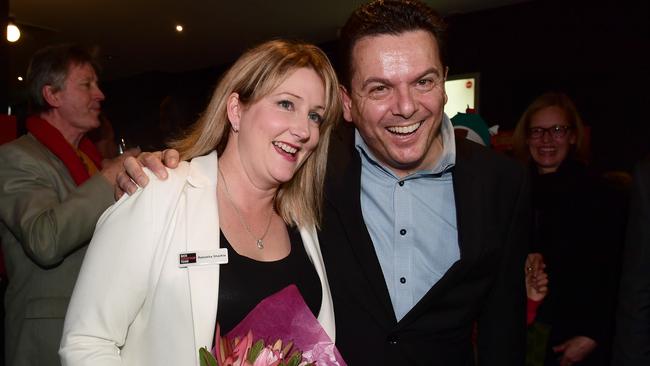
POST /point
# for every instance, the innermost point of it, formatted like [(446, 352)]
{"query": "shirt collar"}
[(445, 163)]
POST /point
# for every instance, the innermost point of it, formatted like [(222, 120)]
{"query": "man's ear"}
[(444, 91), (234, 109), (51, 96), (347, 103)]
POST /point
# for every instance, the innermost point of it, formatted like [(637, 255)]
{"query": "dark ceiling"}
[(139, 35)]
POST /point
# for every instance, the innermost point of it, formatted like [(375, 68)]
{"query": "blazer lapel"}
[(203, 234), (343, 193)]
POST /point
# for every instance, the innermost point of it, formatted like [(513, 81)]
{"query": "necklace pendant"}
[(260, 244)]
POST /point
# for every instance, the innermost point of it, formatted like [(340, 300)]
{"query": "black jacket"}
[(485, 286)]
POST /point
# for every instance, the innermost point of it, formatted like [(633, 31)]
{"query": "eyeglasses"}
[(557, 132)]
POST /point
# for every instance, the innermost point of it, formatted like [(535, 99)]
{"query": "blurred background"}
[(161, 58)]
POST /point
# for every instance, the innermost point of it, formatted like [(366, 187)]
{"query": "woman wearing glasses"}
[(567, 231)]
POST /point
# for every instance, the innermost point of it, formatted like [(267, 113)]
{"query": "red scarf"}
[(49, 136)]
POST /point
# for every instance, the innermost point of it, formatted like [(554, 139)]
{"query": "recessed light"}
[(13, 33), (179, 28)]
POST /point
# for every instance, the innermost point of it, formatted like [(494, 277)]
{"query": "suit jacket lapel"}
[(203, 234), (343, 192)]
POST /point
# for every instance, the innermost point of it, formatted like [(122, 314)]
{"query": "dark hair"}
[(392, 17), (50, 66)]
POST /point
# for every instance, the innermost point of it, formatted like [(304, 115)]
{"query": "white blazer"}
[(132, 303)]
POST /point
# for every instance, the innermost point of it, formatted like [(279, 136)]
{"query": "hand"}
[(112, 167), (536, 277), (575, 350), (133, 176)]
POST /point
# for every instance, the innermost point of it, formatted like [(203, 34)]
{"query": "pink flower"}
[(268, 357)]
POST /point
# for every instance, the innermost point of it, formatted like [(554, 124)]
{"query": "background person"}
[(570, 231), (53, 188), (253, 186), (632, 339)]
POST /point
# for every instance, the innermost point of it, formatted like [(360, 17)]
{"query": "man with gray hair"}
[(53, 188)]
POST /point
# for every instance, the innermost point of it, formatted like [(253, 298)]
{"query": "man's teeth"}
[(404, 130), (286, 148)]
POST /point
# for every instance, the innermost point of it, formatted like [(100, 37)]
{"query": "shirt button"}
[(401, 183), (403, 232), (402, 280)]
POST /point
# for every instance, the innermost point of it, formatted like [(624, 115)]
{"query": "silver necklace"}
[(259, 242)]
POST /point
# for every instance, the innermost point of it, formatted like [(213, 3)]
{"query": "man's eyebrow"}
[(374, 80), (432, 70)]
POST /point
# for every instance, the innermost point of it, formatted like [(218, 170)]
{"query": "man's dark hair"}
[(50, 66), (392, 17)]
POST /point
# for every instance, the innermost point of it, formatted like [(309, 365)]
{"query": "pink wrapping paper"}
[(285, 316)]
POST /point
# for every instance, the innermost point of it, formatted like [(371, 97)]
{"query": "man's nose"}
[(98, 94), (405, 104)]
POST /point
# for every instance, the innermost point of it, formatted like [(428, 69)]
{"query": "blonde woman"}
[(252, 189), (573, 230)]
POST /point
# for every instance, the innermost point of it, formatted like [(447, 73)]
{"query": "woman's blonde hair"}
[(253, 76), (550, 99)]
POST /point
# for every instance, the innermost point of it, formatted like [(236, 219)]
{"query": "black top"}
[(244, 282), (576, 231)]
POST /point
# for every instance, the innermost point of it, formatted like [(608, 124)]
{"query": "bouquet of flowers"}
[(243, 352), (287, 334)]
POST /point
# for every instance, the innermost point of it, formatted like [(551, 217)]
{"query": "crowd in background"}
[(587, 245)]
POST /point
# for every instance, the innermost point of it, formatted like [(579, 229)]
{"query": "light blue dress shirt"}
[(411, 221)]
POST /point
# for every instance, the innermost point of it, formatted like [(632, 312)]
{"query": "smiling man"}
[(53, 188), (424, 236)]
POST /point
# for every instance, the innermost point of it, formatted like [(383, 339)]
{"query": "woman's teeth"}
[(286, 148)]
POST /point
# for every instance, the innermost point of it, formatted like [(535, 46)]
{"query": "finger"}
[(117, 193), (170, 158), (125, 184), (543, 279), (135, 173), (560, 347), (134, 151), (153, 161)]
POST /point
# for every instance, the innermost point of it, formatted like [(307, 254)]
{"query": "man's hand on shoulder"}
[(112, 167), (131, 174)]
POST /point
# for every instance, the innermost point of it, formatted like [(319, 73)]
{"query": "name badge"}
[(204, 258)]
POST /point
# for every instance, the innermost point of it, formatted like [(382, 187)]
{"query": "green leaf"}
[(207, 359), (255, 351), (295, 359)]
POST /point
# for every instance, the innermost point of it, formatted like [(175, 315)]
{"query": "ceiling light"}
[(179, 28), (20, 78), (13, 33)]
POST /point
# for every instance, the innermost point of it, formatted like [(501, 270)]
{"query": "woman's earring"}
[(234, 129)]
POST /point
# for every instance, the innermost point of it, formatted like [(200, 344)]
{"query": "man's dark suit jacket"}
[(632, 339), (486, 286)]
